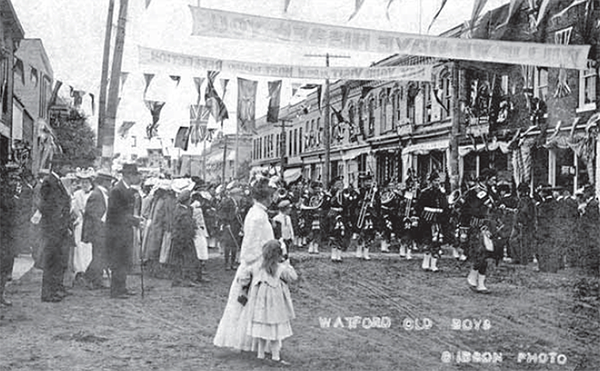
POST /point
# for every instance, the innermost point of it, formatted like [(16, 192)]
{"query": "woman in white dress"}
[(232, 330), (82, 253)]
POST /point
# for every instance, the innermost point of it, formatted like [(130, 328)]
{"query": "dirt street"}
[(383, 314)]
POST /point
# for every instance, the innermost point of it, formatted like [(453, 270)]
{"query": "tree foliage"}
[(76, 138)]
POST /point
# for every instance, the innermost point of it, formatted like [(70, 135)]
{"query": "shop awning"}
[(292, 175), (215, 158), (502, 146), (426, 147)]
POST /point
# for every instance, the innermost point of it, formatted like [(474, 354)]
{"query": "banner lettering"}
[(149, 56), (223, 24)]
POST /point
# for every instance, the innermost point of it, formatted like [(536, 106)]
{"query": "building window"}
[(361, 117), (295, 142), (410, 104), (395, 109), (426, 102), (541, 83), (383, 102), (587, 89), (446, 98), (371, 109), (563, 37)]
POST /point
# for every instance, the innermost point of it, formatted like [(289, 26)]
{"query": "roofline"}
[(45, 58), (15, 18)]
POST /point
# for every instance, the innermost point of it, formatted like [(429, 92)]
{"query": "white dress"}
[(233, 327), (201, 238), (270, 309), (82, 252)]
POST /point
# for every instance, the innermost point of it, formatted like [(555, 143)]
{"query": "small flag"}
[(274, 95), (246, 105), (124, 129), (182, 137), (148, 78), (357, 5), (198, 84), (213, 101), (177, 79), (93, 102), (155, 108), (286, 5), (148, 3), (442, 5)]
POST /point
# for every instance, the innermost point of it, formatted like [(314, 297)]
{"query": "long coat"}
[(93, 230), (119, 223)]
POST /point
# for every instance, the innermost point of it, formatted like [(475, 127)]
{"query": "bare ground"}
[(172, 328)]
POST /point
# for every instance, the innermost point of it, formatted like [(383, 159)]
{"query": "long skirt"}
[(233, 327)]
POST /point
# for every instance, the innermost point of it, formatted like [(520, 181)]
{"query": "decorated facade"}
[(535, 125)]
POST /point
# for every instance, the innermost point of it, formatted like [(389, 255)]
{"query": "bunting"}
[(246, 105), (78, 97), (345, 91), (148, 3), (124, 76), (477, 8), (213, 101), (286, 5), (512, 9), (20, 69), (224, 83), (357, 5), (124, 128), (54, 95), (198, 84), (147, 78), (93, 103), (177, 79), (274, 96), (442, 5), (155, 108), (182, 138)]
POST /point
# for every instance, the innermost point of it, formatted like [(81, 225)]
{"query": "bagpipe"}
[(411, 220)]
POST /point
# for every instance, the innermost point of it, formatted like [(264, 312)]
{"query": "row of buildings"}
[(26, 80), (534, 125)]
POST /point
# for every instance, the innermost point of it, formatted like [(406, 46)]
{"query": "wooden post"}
[(108, 140), (455, 131), (104, 76)]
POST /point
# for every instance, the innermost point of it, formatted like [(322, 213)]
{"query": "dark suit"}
[(94, 232), (55, 207), (119, 234)]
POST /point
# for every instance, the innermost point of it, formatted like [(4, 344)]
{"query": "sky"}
[(73, 35)]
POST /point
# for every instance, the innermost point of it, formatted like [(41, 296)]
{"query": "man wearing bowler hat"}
[(120, 220)]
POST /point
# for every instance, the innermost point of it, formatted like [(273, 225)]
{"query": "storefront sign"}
[(219, 23), (149, 56)]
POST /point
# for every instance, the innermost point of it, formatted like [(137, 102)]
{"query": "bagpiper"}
[(475, 211), (335, 222), (365, 222), (433, 207), (315, 204), (387, 206), (410, 218)]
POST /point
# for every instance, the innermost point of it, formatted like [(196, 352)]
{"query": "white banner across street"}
[(224, 24), (156, 57)]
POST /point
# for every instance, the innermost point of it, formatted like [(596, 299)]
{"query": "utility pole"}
[(326, 121), (455, 130), (104, 77), (108, 137)]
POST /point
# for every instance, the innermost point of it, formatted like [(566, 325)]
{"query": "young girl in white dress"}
[(269, 307)]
